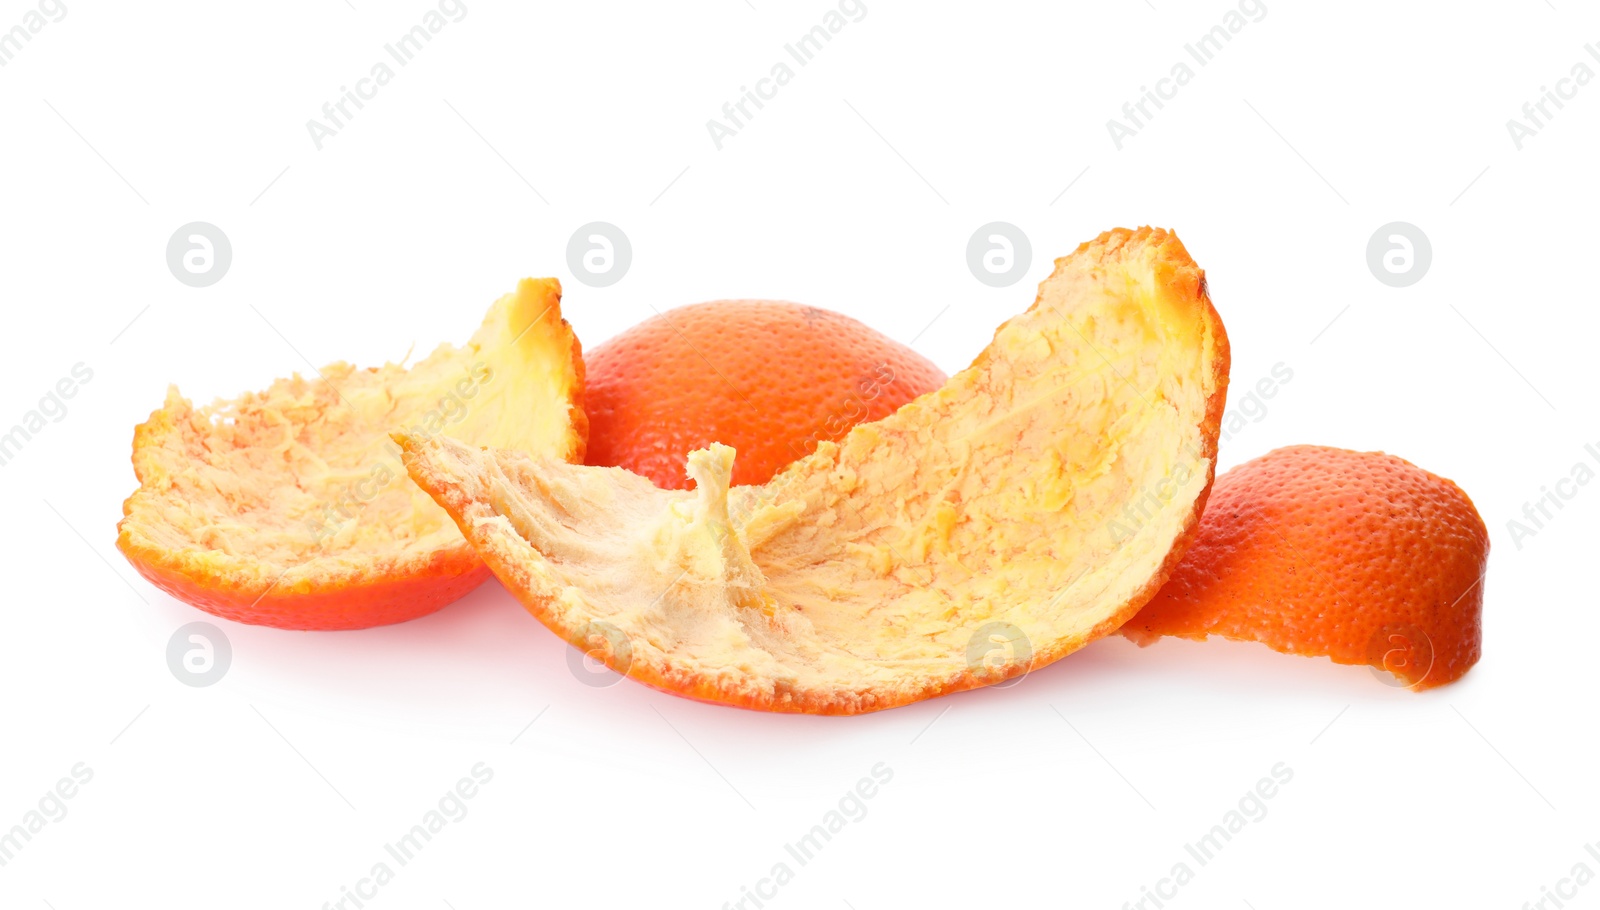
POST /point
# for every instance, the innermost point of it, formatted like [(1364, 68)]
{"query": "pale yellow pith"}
[(1042, 488), (301, 480)]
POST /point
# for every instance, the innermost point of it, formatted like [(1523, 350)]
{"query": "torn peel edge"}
[(1144, 638)]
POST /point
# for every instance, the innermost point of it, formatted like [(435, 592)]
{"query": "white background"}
[(855, 189)]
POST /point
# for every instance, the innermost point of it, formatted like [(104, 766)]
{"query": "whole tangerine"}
[(769, 378)]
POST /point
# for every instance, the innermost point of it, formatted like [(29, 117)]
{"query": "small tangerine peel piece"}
[(883, 569), (1360, 557), (290, 507)]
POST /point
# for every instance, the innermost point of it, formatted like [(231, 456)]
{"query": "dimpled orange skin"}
[(1358, 556), (768, 378)]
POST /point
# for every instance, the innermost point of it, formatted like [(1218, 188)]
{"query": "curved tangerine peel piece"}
[(1039, 498), (1360, 557), (290, 507)]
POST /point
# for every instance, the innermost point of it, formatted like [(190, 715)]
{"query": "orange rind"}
[(290, 507), (1030, 505), (1360, 557)]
